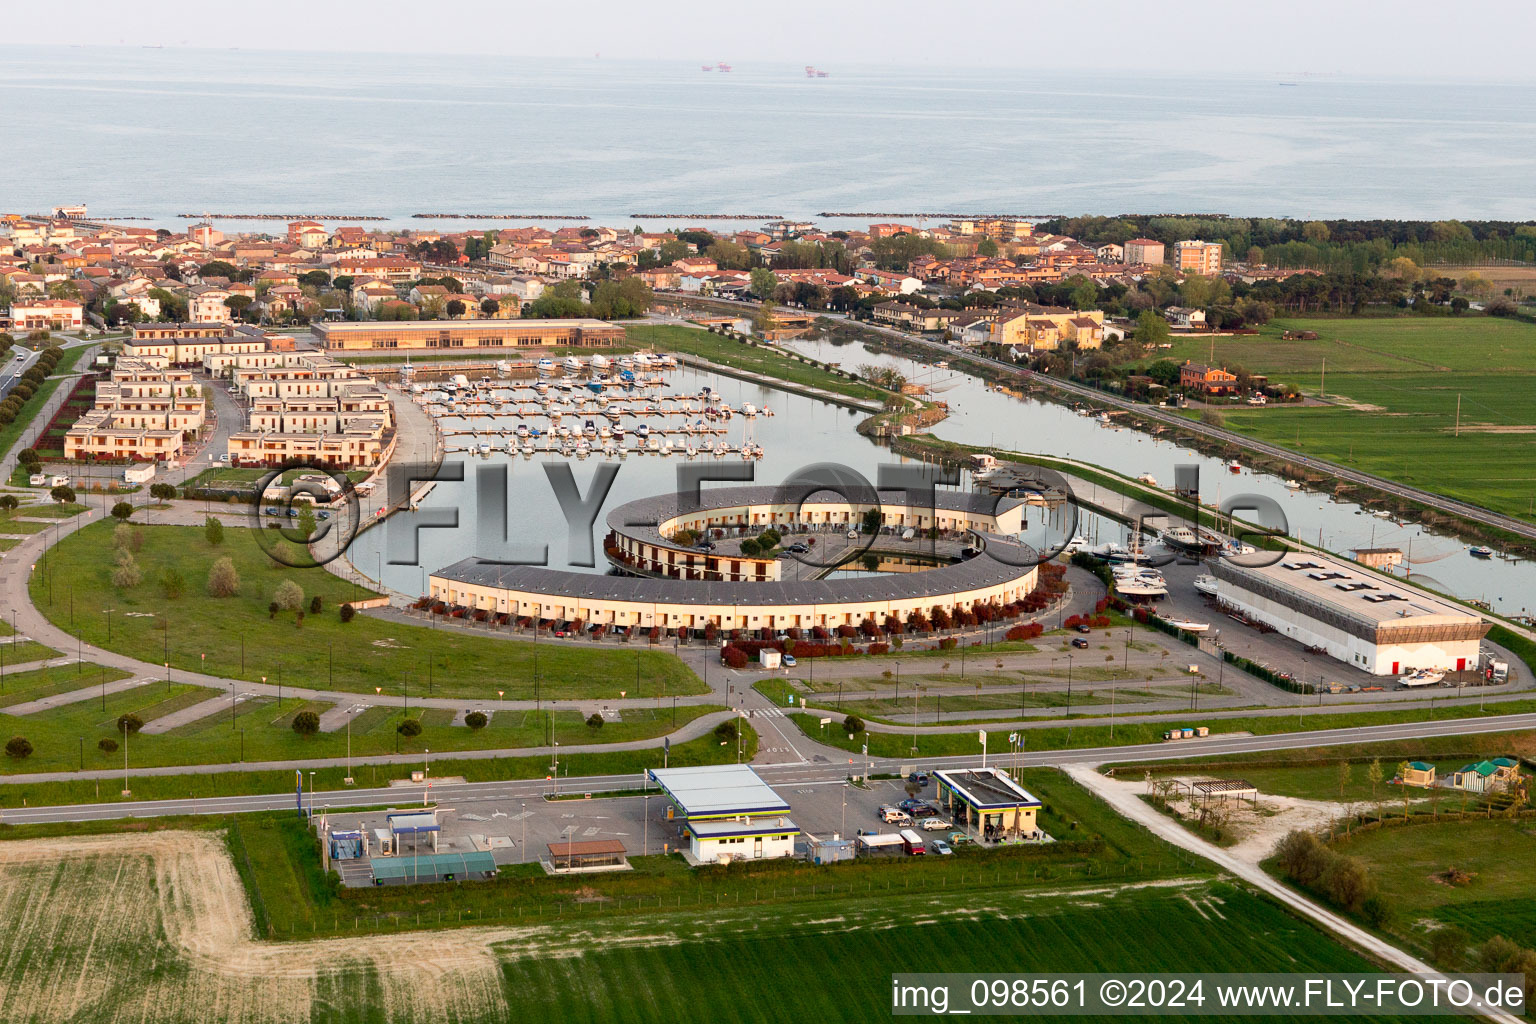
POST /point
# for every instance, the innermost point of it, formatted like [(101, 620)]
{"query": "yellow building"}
[(1196, 257), (467, 334)]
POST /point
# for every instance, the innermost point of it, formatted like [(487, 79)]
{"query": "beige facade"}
[(467, 334), (140, 413), (1197, 257)]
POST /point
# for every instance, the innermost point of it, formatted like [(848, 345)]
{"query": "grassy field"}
[(1395, 384), (262, 731), (154, 920), (241, 640), (18, 687), (705, 750), (964, 741), (1498, 854), (25, 651), (770, 362), (1312, 773)]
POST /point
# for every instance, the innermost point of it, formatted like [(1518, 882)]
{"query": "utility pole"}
[(1458, 415)]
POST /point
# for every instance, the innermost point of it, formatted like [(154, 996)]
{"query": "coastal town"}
[(1056, 645)]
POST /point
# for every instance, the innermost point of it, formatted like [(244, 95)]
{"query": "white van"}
[(895, 816)]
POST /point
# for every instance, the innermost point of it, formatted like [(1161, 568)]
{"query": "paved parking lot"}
[(520, 830)]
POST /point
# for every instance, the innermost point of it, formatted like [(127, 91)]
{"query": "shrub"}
[(18, 747), (726, 731), (733, 656), (1377, 911), (1302, 857), (223, 579), (594, 721), (121, 511), (129, 722), (476, 720), (172, 583), (408, 727), (347, 612), (314, 605), (107, 745), (213, 531), (853, 725), (1347, 883), (288, 596), (272, 609), (127, 575), (306, 723)]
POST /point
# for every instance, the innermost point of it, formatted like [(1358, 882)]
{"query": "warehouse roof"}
[(728, 829), (718, 791), (432, 866), (1328, 585)]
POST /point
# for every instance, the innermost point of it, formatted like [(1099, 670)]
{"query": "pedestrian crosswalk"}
[(767, 713)]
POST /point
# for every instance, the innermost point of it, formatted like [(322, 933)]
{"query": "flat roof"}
[(730, 829), (354, 327), (432, 865), (413, 821), (586, 848), (719, 791), (985, 788), (1327, 584)]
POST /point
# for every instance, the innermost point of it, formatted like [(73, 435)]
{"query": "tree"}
[(594, 721), (223, 579), (315, 604), (213, 531), (238, 304), (763, 282), (63, 494), (1373, 775), (128, 723), (107, 745), (1448, 946), (455, 309), (306, 522), (1151, 329), (1315, 231), (306, 723), (347, 612), (490, 307), (726, 731), (288, 596), (173, 584), (8, 503), (872, 518), (1345, 771), (986, 248), (1346, 882), (218, 268), (127, 574), (476, 720), (853, 725), (408, 728), (18, 747), (162, 492), (121, 511)]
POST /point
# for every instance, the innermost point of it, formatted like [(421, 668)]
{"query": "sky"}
[(1416, 39)]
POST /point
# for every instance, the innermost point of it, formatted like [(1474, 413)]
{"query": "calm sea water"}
[(157, 132)]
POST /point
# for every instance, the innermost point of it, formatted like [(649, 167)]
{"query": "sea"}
[(160, 133)]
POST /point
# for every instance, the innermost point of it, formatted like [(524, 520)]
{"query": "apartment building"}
[(1196, 257), (1144, 250)]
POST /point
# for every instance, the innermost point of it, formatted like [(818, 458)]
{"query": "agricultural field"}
[(239, 638), (1393, 386), (1495, 861), (155, 927)]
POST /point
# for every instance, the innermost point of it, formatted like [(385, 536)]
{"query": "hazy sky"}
[(1409, 38)]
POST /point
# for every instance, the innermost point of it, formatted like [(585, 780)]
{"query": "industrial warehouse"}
[(467, 334), (1356, 617), (728, 813)]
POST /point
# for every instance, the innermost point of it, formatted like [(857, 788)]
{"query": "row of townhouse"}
[(142, 412), (310, 407)]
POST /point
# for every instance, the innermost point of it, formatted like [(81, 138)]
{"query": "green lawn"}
[(705, 750), (772, 362), (1500, 855), (26, 651), (1396, 384), (264, 731), (18, 687), (72, 586), (964, 740)]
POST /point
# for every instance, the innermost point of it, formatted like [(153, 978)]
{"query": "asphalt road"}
[(820, 765)]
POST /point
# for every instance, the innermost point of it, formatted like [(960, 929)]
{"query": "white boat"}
[(643, 431), (573, 364), (1148, 479), (1116, 553), (1293, 485), (589, 428), (1480, 551), (546, 366), (1075, 544), (1182, 538), (1188, 625), (1141, 583), (1382, 513), (1423, 677), (485, 448), (1235, 466), (1206, 585), (600, 362), (749, 410)]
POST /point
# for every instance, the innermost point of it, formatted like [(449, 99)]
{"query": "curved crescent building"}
[(682, 587)]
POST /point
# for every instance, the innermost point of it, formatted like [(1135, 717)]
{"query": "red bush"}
[(879, 648), (733, 656)]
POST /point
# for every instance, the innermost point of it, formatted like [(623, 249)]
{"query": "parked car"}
[(1079, 642), (959, 839), (940, 847), (798, 548), (936, 824), (921, 778), (1083, 628), (323, 514), (789, 661), (895, 816), (274, 511), (561, 634)]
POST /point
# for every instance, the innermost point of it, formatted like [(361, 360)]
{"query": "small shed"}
[(829, 851), (1418, 773), (414, 824), (588, 855), (1475, 778), (1225, 789)]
